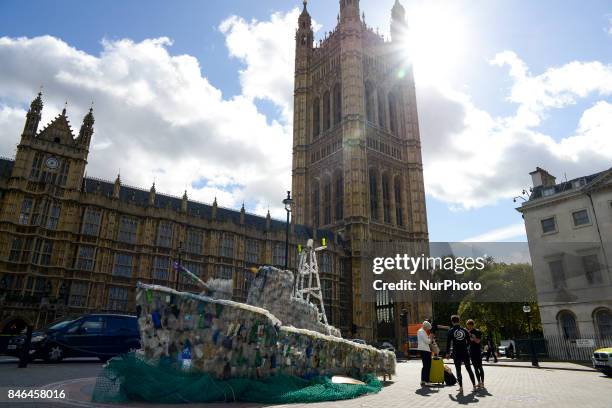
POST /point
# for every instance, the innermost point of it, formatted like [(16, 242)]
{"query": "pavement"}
[(509, 384)]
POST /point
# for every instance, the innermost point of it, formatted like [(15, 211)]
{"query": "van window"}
[(89, 325), (118, 324)]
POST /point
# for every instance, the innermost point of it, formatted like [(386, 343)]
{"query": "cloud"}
[(500, 234), (158, 118)]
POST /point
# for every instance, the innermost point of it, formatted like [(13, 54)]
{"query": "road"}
[(509, 384)]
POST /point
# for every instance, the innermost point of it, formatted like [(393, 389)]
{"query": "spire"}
[(214, 209), (304, 35), (184, 202), (242, 211), (268, 220), (87, 128), (33, 116), (398, 22), (117, 186), (152, 193), (65, 107)]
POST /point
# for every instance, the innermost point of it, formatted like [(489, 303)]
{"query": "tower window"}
[(316, 117), (393, 113), (316, 203), (26, 210), (373, 195), (36, 166), (326, 111), (337, 104), (327, 202), (339, 196), (386, 198), (369, 102), (399, 216), (381, 109)]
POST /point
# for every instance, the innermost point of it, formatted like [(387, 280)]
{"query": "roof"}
[(577, 183)]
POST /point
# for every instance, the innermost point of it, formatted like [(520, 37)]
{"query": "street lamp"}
[(178, 265), (288, 203), (534, 356)]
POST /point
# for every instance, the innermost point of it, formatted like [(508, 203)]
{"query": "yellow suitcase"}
[(436, 374)]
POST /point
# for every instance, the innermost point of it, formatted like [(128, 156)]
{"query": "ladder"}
[(308, 284)]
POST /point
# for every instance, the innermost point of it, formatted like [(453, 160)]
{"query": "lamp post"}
[(288, 203), (534, 356), (178, 265)]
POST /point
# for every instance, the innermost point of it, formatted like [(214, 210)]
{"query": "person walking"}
[(491, 351), (475, 351), (424, 338), (457, 346)]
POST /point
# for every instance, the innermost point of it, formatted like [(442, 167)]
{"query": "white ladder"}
[(308, 284)]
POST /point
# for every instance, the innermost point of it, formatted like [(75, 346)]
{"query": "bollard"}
[(25, 352)]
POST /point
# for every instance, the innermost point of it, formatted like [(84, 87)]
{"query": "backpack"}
[(449, 377)]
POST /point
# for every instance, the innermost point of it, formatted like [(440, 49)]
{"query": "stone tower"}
[(357, 166)]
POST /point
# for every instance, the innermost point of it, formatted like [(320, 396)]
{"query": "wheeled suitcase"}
[(436, 375)]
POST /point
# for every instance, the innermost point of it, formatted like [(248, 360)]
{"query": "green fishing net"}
[(131, 378)]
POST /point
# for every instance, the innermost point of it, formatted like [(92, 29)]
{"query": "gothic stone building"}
[(357, 167), (70, 244)]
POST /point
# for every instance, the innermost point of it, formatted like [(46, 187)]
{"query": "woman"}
[(424, 337)]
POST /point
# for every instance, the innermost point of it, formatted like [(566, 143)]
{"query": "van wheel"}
[(54, 354)]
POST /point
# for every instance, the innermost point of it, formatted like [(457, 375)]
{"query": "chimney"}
[(541, 177)]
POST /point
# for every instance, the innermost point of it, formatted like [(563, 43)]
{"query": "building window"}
[(42, 252), (326, 111), (581, 218), (325, 264), (603, 323), (393, 125), (127, 229), (26, 211), (252, 251), (123, 265), (226, 249), (326, 290), (161, 266), (63, 174), (36, 166), (337, 104), (86, 258), (78, 294), (164, 234), (192, 267), (592, 269), (53, 218), (397, 188), (278, 255), (548, 225), (381, 109), (373, 195), (386, 198), (91, 222), (316, 204), (567, 322), (194, 241), (339, 197), (247, 281), (117, 299), (327, 204), (557, 274), (16, 249), (369, 102), (316, 117), (225, 272)]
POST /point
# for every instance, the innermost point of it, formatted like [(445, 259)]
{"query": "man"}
[(491, 351), (424, 347), (457, 345), (475, 351)]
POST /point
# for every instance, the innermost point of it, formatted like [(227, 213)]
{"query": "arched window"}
[(567, 323), (339, 196), (326, 111), (316, 117), (393, 125), (327, 201), (373, 195), (399, 215), (381, 108), (386, 193), (369, 102), (603, 322), (337, 104), (316, 203)]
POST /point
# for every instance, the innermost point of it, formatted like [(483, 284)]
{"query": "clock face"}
[(52, 163)]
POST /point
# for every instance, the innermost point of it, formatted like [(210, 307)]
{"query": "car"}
[(602, 360), (91, 335), (506, 348), (387, 346), (359, 341)]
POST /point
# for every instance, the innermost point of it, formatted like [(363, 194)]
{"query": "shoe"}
[(460, 389), (423, 383), (474, 388)]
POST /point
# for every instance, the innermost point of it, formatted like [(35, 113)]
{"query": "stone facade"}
[(357, 166), (71, 244)]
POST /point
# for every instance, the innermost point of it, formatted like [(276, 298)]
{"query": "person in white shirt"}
[(424, 337)]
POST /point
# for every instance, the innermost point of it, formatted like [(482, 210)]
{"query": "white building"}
[(569, 229)]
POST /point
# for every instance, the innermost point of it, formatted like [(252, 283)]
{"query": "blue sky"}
[(463, 37)]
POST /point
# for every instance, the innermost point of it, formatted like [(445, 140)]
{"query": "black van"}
[(92, 335)]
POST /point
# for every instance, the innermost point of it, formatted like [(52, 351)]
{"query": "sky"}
[(198, 95)]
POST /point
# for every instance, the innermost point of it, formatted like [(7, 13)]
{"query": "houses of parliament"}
[(72, 244)]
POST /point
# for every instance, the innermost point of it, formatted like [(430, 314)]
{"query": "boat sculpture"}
[(281, 329)]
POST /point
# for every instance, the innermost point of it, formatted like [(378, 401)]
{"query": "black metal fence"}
[(562, 348)]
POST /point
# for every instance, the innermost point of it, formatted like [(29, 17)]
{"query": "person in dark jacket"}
[(491, 351), (475, 351), (457, 346)]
